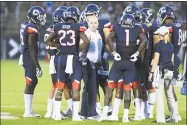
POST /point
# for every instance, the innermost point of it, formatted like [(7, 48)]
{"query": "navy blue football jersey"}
[(68, 35), (176, 36), (51, 50), (26, 29), (127, 39)]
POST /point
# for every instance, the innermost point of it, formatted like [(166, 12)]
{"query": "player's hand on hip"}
[(116, 55), (38, 72), (134, 56)]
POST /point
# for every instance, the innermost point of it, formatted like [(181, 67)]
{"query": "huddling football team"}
[(78, 44)]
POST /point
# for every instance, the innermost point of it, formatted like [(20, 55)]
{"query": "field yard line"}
[(10, 106), (6, 115), (21, 94)]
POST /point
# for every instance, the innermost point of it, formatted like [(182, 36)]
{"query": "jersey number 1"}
[(127, 37)]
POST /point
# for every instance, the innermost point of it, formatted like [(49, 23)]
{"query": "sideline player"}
[(29, 36)]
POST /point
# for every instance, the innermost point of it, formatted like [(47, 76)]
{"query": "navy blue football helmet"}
[(147, 15), (72, 13), (91, 9), (165, 12), (127, 20), (37, 15), (61, 8), (59, 16), (135, 11)]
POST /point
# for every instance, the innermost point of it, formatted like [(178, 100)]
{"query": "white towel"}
[(156, 77), (21, 60), (69, 64), (52, 69)]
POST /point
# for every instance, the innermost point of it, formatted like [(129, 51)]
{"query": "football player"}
[(135, 11), (68, 35), (51, 51), (29, 36), (138, 94), (127, 51), (147, 18), (103, 28), (166, 17)]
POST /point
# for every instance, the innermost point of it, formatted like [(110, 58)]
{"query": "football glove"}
[(134, 57), (38, 72), (116, 55)]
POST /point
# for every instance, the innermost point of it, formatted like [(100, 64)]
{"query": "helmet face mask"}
[(42, 19)]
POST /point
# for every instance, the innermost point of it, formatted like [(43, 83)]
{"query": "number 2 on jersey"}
[(64, 33)]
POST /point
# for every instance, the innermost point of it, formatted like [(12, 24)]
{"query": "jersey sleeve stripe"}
[(170, 29), (32, 30), (82, 29)]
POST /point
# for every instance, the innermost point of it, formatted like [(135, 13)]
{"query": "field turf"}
[(12, 88)]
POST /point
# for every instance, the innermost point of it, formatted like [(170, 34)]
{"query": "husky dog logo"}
[(35, 12)]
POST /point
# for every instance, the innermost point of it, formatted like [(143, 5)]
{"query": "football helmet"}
[(61, 8), (147, 15), (127, 20), (135, 11), (165, 12), (59, 16), (37, 15), (72, 13)]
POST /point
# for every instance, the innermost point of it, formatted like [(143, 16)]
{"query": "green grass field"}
[(12, 88)]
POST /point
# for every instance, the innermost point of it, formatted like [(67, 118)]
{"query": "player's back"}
[(126, 39), (68, 35), (27, 28)]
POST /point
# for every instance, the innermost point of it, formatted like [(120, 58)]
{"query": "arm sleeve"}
[(157, 48), (32, 42)]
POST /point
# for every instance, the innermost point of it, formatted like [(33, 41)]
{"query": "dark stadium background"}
[(13, 13)]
